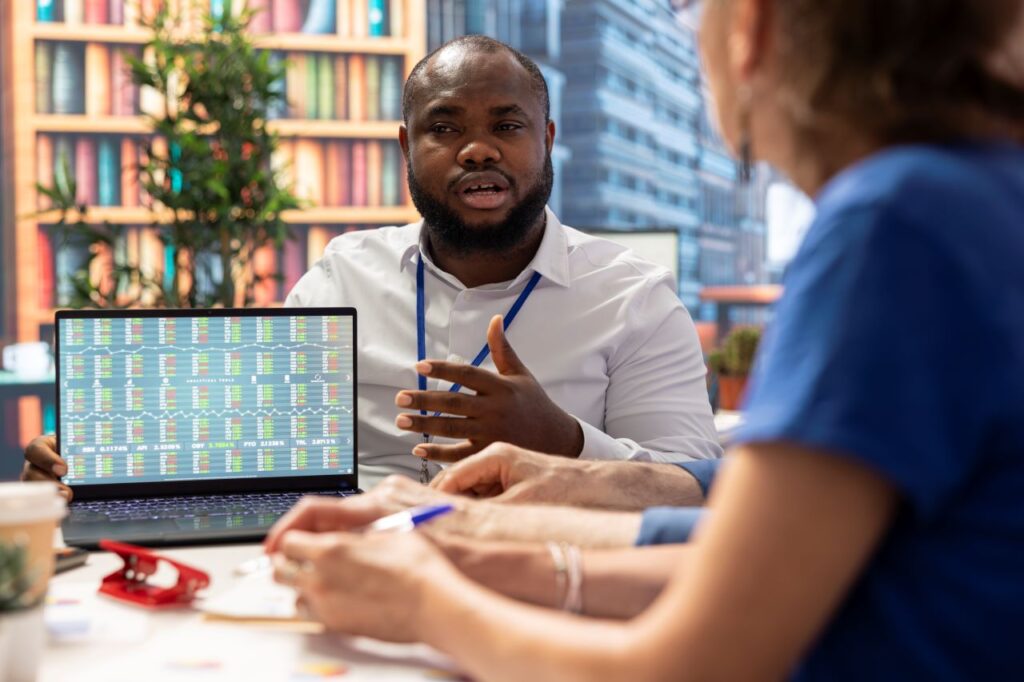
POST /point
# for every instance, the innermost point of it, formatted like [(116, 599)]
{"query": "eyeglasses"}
[(129, 582)]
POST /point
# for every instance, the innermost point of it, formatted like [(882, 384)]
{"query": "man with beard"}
[(607, 364)]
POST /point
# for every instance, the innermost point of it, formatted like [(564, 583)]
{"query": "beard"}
[(448, 227)]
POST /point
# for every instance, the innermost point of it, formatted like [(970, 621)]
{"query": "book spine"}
[(95, 12), (360, 22), (108, 171), (129, 173), (85, 170), (294, 265), (44, 76), (372, 88), (130, 10), (264, 265), (356, 87), (359, 189), (340, 87), (312, 101), (335, 173), (262, 18), (390, 174), (115, 12), (344, 13), (320, 18), (44, 168), (374, 170), (287, 16), (121, 86), (64, 162), (325, 86), (295, 84), (375, 18), (97, 80), (46, 11), (74, 12), (316, 242), (391, 89), (68, 76), (396, 18), (309, 164), (46, 265)]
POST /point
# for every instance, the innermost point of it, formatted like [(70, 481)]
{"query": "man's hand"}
[(512, 474), (510, 407), (322, 514), (42, 463)]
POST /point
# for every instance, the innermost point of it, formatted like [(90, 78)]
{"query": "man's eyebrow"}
[(507, 109), (443, 110)]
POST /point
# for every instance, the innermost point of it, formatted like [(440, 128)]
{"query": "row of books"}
[(334, 173), (349, 18), (58, 260), (94, 79), (344, 87), (90, 78)]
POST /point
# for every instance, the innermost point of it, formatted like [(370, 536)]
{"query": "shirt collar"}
[(551, 259)]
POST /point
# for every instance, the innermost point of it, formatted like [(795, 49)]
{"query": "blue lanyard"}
[(421, 333)]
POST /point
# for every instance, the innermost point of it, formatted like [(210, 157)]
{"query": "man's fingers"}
[(445, 402), (33, 473), (485, 470), (446, 453), (505, 359), (42, 453), (482, 381), (445, 427)]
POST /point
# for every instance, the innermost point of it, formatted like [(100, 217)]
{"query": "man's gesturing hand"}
[(510, 407)]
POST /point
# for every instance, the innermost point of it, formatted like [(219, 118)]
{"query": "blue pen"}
[(400, 522), (406, 520)]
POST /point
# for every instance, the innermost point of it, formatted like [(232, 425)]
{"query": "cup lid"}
[(29, 502)]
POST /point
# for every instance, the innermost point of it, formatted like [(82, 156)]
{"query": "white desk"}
[(276, 654)]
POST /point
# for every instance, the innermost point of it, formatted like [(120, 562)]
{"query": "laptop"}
[(197, 426)]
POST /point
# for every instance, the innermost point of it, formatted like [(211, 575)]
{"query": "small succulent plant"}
[(739, 350)]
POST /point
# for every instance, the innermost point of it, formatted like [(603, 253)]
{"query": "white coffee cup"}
[(28, 360), (29, 513)]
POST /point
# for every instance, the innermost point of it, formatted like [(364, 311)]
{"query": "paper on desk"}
[(254, 597), (225, 652), (76, 614)]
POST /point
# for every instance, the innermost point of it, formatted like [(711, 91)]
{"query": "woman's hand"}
[(371, 585)]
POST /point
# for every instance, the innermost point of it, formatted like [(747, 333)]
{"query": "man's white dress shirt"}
[(603, 333)]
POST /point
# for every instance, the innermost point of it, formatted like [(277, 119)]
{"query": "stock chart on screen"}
[(184, 398)]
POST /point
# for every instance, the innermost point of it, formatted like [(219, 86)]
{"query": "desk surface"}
[(140, 644)]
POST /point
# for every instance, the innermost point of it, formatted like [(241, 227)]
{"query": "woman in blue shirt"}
[(869, 525)]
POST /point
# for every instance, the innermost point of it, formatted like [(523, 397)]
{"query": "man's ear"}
[(550, 136), (403, 141)]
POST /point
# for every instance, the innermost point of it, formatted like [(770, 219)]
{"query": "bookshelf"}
[(347, 61)]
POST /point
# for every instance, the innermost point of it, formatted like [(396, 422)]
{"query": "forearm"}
[(494, 638), (616, 583), (634, 486), (539, 523)]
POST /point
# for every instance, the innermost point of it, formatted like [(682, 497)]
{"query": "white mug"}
[(28, 360)]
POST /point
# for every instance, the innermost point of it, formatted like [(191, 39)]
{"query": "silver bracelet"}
[(561, 570), (574, 593)]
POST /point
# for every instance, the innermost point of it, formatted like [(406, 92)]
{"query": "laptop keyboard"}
[(185, 507)]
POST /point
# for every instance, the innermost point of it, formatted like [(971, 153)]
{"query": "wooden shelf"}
[(289, 42), (331, 215), (139, 125)]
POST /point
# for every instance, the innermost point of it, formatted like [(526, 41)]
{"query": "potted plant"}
[(733, 363), (206, 172), (21, 615)]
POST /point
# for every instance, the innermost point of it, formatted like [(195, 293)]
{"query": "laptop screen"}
[(206, 395)]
